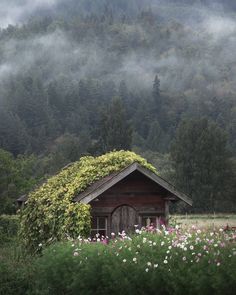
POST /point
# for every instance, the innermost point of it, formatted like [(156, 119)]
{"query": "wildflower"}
[(40, 245), (218, 264), (149, 264), (162, 243), (98, 240), (113, 234), (134, 259), (198, 231), (146, 269), (184, 258), (155, 265), (138, 246), (165, 261), (154, 244), (76, 253), (191, 247), (137, 231), (124, 260)]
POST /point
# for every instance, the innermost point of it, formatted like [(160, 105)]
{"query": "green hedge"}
[(9, 226), (146, 265)]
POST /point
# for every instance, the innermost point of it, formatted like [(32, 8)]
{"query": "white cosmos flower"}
[(165, 261), (124, 260), (146, 269), (149, 264), (155, 265)]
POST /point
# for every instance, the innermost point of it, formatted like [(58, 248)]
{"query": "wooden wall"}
[(135, 190)]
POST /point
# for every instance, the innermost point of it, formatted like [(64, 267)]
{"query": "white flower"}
[(138, 246), (40, 245), (137, 231), (165, 261), (76, 253), (191, 247), (146, 269), (124, 260), (113, 234), (155, 265), (162, 243), (149, 264), (184, 258), (198, 231), (154, 244), (98, 240), (134, 259), (218, 264)]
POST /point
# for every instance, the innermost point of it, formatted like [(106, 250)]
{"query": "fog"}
[(197, 55)]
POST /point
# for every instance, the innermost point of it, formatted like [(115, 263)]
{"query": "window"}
[(156, 221), (99, 226)]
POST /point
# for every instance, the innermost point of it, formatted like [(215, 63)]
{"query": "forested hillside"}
[(86, 77)]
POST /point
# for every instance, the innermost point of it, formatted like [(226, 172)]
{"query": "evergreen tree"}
[(201, 162), (114, 131)]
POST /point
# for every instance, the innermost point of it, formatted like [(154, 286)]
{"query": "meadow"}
[(205, 220)]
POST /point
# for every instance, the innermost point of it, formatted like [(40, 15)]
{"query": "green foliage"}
[(143, 265), (9, 225), (17, 176), (201, 161), (114, 131), (16, 269), (50, 214)]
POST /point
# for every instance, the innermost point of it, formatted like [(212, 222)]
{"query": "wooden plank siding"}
[(135, 191)]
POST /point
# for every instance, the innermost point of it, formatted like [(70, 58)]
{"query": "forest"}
[(86, 77)]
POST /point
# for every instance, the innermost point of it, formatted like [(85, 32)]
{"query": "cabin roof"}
[(100, 186)]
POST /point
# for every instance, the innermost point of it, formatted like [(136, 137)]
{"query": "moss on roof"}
[(50, 212)]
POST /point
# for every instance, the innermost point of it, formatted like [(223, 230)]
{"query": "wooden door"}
[(124, 218)]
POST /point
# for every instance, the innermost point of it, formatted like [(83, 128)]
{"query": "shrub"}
[(192, 262), (50, 213), (9, 225), (15, 270)]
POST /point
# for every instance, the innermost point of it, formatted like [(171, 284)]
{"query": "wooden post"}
[(167, 211)]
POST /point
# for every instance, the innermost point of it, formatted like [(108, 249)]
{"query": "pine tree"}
[(201, 162), (115, 131)]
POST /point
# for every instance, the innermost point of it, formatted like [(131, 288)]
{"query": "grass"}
[(205, 220)]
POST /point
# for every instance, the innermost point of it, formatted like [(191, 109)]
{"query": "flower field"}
[(173, 261)]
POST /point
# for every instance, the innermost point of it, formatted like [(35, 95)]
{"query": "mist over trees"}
[(85, 77)]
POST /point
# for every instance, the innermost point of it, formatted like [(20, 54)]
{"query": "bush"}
[(9, 225), (15, 270), (50, 213), (173, 263)]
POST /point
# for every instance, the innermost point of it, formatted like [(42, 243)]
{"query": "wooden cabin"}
[(132, 196)]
